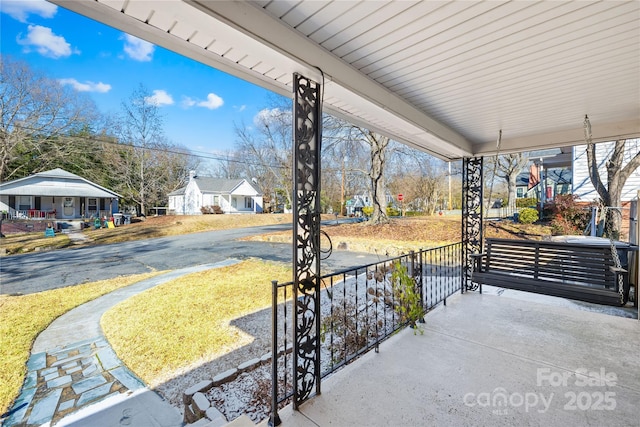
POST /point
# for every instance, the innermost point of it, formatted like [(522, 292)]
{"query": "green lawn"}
[(23, 317), (179, 323)]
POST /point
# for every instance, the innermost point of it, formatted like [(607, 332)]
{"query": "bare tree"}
[(140, 127), (378, 144), (35, 112), (508, 167), (267, 149), (229, 165), (617, 175), (425, 186), (339, 132)]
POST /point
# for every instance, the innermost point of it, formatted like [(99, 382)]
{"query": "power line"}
[(198, 154)]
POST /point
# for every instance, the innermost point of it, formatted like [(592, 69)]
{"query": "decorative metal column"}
[(307, 128), (471, 215)]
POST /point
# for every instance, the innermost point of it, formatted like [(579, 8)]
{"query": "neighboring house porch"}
[(55, 195), (553, 183), (230, 195)]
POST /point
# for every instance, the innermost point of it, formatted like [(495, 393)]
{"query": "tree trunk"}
[(379, 145), (511, 202), (617, 175)]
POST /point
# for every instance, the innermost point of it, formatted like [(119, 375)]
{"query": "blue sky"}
[(199, 104)]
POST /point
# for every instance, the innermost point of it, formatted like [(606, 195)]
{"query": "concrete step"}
[(241, 421)]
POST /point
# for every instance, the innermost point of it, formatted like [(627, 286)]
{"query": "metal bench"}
[(569, 270)]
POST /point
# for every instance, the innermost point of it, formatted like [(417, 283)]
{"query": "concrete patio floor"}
[(489, 360)]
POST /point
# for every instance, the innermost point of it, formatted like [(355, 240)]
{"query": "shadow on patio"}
[(491, 359)]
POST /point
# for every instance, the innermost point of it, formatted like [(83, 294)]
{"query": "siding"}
[(582, 186)]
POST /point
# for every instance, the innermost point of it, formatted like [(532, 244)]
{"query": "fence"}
[(16, 214), (359, 308)]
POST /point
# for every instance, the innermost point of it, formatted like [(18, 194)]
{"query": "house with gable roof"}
[(56, 195), (231, 195)]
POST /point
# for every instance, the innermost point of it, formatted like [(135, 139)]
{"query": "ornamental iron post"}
[(307, 127), (274, 418), (472, 186)]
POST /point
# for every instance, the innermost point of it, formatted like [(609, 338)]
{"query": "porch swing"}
[(567, 270)]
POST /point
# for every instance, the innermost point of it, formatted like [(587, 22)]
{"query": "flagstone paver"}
[(44, 408), (94, 394), (80, 387), (88, 383)]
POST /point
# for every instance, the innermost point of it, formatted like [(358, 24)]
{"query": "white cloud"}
[(213, 101), (20, 10), (188, 102), (269, 115), (159, 98), (240, 108), (138, 49), (42, 40), (87, 86)]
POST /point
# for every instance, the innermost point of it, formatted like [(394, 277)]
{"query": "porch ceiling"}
[(442, 76)]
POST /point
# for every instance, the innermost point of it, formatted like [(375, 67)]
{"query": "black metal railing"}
[(358, 310)]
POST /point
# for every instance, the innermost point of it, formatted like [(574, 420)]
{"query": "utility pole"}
[(542, 185), (342, 192), (450, 204)]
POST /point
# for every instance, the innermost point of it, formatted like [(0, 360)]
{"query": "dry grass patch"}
[(21, 243), (186, 322), (402, 235), (173, 225), (399, 236), (23, 317)]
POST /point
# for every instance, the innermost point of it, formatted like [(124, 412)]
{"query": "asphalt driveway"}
[(35, 272)]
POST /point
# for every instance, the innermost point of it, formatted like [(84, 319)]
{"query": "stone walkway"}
[(72, 367), (60, 382)]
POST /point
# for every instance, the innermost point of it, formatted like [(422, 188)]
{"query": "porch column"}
[(472, 186), (307, 127)]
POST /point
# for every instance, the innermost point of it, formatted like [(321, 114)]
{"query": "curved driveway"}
[(35, 272)]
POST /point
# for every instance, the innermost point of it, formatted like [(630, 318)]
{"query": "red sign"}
[(400, 197)]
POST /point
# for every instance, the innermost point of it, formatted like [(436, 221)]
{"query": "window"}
[(24, 203), (216, 200), (92, 204), (248, 203), (520, 192)]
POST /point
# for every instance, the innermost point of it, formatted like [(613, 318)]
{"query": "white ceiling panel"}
[(328, 13), (443, 76), (332, 24)]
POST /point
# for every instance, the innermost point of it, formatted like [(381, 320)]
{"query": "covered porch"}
[(497, 358), (462, 81), (56, 195)]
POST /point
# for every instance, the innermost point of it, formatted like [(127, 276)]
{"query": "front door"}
[(68, 207)]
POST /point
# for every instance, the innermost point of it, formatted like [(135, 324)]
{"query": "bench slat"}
[(559, 269), (577, 292)]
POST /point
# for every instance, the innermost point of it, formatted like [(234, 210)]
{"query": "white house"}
[(231, 195), (56, 194), (582, 186)]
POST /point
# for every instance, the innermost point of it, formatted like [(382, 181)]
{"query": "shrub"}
[(526, 202), (407, 297), (392, 211), (528, 216), (568, 216), (367, 211), (211, 209)]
